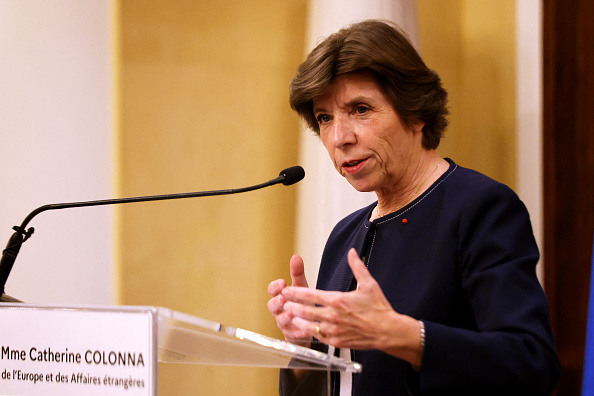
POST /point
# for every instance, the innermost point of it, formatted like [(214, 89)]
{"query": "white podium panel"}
[(48, 350), (98, 350)]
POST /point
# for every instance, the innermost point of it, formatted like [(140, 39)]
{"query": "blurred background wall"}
[(105, 99), (57, 140), (204, 106)]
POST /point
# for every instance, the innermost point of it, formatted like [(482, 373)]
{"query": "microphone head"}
[(292, 175)]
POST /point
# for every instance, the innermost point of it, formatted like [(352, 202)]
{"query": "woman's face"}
[(366, 139)]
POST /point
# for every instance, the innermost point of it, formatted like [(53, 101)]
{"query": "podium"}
[(111, 350)]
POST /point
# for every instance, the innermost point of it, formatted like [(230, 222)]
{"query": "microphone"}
[(287, 177), (291, 175)]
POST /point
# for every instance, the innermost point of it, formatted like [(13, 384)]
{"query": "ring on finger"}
[(319, 332)]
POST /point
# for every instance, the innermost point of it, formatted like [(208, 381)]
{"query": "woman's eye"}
[(362, 109), (322, 118)]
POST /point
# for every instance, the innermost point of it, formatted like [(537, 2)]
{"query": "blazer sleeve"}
[(512, 350)]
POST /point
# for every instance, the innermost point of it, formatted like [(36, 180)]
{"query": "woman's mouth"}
[(353, 166)]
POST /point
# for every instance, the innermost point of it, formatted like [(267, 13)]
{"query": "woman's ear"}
[(417, 126)]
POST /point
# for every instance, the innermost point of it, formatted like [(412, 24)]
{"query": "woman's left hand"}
[(359, 319)]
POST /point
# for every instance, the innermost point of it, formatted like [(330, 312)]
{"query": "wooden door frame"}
[(568, 168)]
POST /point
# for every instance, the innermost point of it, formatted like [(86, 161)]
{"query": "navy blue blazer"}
[(461, 257)]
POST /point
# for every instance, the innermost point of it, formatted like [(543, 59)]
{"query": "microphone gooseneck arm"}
[(287, 177)]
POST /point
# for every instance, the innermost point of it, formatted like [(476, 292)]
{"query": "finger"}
[(312, 296), (325, 332), (275, 287), (307, 312), (297, 270), (359, 269), (284, 320), (275, 304), (307, 326), (304, 295), (315, 329)]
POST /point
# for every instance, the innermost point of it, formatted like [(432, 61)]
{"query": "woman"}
[(433, 287)]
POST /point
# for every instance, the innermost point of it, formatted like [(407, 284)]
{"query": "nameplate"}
[(49, 350)]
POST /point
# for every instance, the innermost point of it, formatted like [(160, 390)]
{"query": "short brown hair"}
[(379, 47)]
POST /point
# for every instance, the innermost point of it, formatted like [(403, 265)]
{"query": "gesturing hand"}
[(278, 300), (360, 319)]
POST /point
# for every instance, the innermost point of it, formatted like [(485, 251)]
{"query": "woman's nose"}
[(343, 132)]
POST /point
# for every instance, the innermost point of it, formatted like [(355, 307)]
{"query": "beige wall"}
[(471, 44), (204, 105)]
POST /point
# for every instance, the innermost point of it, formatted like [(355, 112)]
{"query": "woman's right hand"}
[(277, 301)]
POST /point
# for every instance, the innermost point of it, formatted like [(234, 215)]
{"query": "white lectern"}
[(105, 350)]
